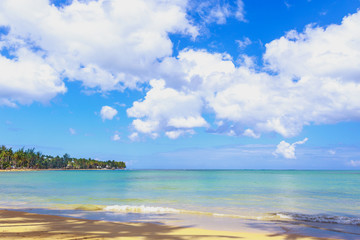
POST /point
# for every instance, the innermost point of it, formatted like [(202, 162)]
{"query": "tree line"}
[(31, 159)]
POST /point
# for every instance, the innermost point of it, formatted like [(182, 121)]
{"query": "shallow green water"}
[(328, 196)]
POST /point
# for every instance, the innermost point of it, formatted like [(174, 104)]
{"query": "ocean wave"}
[(320, 218), (287, 216), (140, 209), (162, 210)]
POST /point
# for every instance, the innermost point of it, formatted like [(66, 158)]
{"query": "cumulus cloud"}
[(311, 77), (287, 150), (108, 45), (236, 94), (166, 109), (324, 53), (108, 113), (27, 78)]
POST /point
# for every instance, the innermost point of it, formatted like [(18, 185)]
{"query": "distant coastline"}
[(56, 169), (30, 160)]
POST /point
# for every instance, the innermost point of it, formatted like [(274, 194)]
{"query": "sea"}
[(316, 203)]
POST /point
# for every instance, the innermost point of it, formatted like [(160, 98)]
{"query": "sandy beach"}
[(22, 225)]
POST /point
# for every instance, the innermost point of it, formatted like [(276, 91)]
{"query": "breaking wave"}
[(287, 216), (140, 209), (162, 210)]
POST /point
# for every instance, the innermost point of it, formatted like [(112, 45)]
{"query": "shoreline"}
[(23, 225), (54, 169)]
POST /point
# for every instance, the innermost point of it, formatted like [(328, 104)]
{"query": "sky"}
[(176, 84)]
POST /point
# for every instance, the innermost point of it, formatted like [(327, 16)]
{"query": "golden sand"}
[(22, 225)]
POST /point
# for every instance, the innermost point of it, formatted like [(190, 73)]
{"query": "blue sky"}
[(198, 84)]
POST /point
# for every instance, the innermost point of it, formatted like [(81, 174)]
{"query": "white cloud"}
[(145, 126), (250, 133), (354, 163), (314, 79), (166, 109), (108, 112), (237, 94), (173, 134), (301, 142), (243, 43), (240, 12), (187, 122), (109, 45), (218, 14), (27, 78), (72, 131), (287, 150), (320, 53), (177, 133), (219, 11), (116, 137), (311, 77), (134, 136)]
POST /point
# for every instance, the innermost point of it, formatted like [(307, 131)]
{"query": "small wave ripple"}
[(320, 218)]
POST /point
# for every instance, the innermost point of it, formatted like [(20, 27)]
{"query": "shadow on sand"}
[(22, 225)]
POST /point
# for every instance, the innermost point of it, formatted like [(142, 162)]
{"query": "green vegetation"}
[(36, 160)]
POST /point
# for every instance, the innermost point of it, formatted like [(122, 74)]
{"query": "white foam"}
[(162, 210), (283, 216), (140, 209)]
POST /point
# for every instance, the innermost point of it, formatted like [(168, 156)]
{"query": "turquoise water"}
[(314, 196)]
